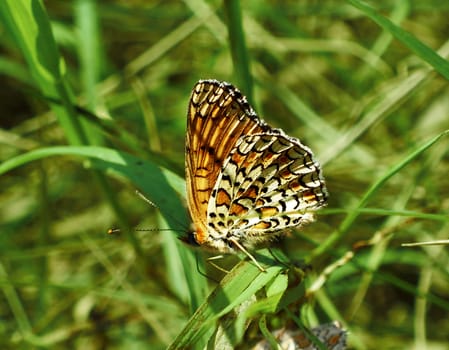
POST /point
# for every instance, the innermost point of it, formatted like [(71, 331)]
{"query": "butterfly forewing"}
[(218, 116), (246, 181)]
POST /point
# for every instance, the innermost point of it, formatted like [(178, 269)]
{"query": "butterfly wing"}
[(269, 182), (246, 181), (218, 116)]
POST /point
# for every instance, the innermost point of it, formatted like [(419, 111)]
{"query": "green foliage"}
[(94, 105)]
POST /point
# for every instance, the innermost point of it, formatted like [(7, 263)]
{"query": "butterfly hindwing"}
[(269, 182)]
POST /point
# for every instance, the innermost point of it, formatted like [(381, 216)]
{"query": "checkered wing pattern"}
[(246, 181)]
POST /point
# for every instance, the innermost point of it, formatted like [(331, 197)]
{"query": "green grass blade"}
[(28, 23), (159, 185), (416, 46), (238, 47), (156, 183), (91, 60), (351, 217), (236, 287)]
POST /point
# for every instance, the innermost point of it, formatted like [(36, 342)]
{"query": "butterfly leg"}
[(216, 257), (242, 248)]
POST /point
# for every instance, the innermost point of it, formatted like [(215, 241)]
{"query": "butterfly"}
[(247, 183)]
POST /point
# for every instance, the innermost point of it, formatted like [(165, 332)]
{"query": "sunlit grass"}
[(94, 106)]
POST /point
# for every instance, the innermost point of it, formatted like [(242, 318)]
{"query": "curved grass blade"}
[(416, 46), (238, 286), (351, 217), (160, 185)]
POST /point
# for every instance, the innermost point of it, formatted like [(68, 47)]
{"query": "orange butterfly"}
[(246, 181)]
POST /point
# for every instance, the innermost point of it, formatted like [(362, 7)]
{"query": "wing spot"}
[(237, 209), (252, 191), (263, 225), (223, 198), (266, 212)]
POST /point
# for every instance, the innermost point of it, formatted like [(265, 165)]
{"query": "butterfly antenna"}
[(113, 231), (141, 195), (153, 230), (198, 268)]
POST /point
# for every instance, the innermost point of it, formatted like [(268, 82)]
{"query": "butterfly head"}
[(189, 239), (196, 237)]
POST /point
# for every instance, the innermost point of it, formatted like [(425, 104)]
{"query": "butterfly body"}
[(247, 183)]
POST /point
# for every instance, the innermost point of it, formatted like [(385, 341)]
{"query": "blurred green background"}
[(93, 106)]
